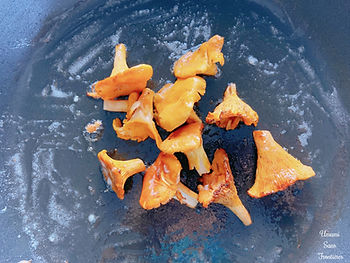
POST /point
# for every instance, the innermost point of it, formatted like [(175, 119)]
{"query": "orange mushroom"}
[(232, 110), (219, 187), (276, 168), (117, 172), (161, 183), (201, 61), (188, 140), (174, 102), (123, 80), (139, 124)]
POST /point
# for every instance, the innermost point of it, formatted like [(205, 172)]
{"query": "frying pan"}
[(289, 60)]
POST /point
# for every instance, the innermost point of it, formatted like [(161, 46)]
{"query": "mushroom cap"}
[(160, 181), (201, 61), (131, 80), (139, 125), (117, 172), (231, 111), (276, 168), (174, 102), (185, 138)]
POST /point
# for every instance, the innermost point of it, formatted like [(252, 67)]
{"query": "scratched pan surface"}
[(53, 180)]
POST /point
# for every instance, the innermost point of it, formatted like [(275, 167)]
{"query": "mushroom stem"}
[(240, 211), (186, 196), (135, 165), (198, 159), (115, 105), (119, 64)]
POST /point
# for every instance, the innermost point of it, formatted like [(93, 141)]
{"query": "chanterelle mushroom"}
[(117, 172), (219, 187), (188, 140), (201, 61), (161, 183), (174, 102), (276, 168), (123, 80), (231, 111), (139, 124)]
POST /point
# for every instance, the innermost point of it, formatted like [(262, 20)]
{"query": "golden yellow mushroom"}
[(174, 102), (188, 140), (276, 168), (139, 124), (231, 111), (117, 172), (219, 187), (161, 183), (201, 61)]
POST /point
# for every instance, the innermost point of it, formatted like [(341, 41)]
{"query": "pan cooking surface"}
[(53, 178)]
